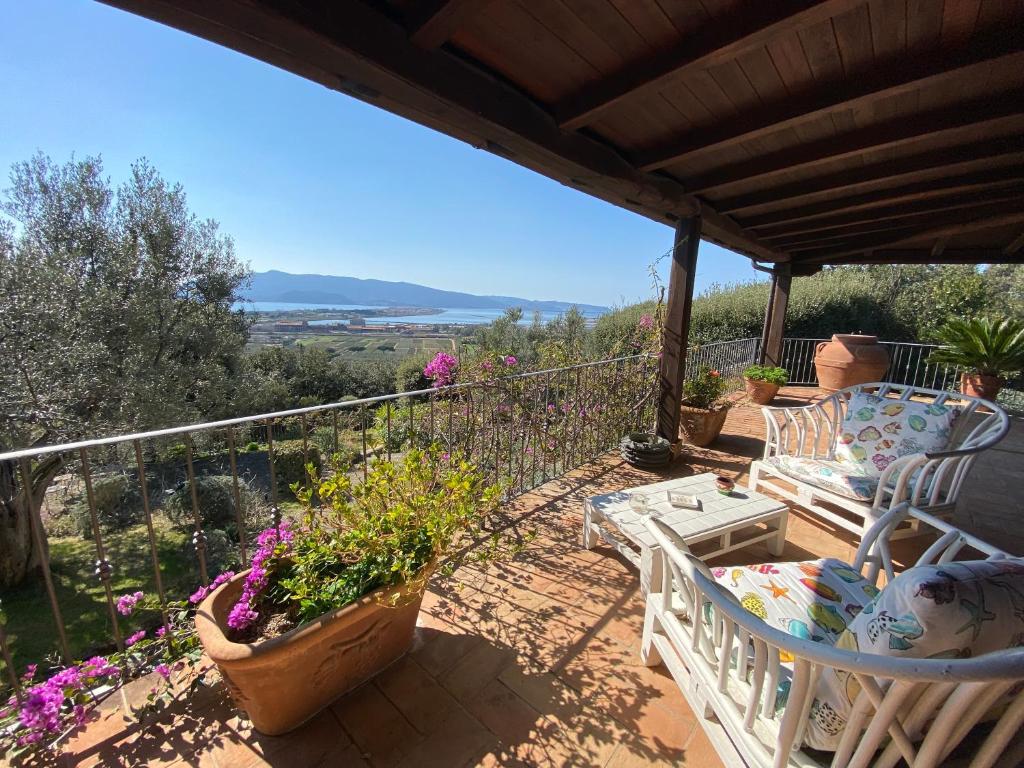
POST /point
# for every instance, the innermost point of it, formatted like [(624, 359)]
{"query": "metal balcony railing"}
[(522, 430)]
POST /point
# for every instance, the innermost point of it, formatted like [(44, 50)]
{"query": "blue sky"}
[(310, 180)]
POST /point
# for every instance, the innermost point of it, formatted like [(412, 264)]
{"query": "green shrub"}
[(216, 498), (252, 447), (118, 501), (410, 376), (769, 373), (290, 464)]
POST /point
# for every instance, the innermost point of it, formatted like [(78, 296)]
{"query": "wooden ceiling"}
[(812, 132)]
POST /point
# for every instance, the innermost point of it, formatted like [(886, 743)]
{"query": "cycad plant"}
[(982, 345)]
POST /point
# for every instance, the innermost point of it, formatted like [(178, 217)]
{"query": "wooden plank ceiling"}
[(806, 131)]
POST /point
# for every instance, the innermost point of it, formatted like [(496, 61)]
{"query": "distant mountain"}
[(329, 289)]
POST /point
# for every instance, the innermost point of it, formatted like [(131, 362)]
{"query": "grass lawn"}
[(31, 631)]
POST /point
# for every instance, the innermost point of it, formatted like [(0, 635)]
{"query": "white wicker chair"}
[(919, 710), (929, 481)]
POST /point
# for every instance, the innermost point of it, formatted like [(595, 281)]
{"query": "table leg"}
[(650, 570), (778, 543), (589, 526)]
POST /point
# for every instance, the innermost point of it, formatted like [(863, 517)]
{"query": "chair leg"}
[(755, 475), (649, 653)]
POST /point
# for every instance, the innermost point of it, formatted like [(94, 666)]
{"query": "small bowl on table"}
[(724, 485)]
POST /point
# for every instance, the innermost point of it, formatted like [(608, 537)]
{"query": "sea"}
[(454, 316)]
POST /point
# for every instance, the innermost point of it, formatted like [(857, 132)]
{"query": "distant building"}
[(357, 322), (290, 325)]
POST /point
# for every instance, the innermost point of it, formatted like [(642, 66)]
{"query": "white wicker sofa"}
[(762, 706), (847, 460)]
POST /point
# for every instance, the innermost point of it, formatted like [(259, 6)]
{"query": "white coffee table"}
[(738, 520)]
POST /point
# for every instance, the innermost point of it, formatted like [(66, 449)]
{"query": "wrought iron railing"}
[(522, 430), (727, 357)]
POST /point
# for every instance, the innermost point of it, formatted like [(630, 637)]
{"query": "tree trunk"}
[(18, 553)]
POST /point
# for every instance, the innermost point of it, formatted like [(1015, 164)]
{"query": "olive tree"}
[(116, 312)]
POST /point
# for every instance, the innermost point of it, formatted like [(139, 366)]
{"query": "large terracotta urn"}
[(700, 426), (282, 682), (850, 359)]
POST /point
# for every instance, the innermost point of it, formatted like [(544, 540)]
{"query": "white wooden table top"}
[(717, 510)]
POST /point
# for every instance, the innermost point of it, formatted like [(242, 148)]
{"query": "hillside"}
[(330, 289)]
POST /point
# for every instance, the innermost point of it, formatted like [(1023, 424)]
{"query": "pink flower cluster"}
[(271, 544), (441, 370), (126, 603), (510, 360), (646, 322), (48, 708), (133, 639), (200, 594)]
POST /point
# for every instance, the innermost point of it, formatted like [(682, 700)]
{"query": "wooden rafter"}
[(963, 126), (940, 246), (926, 166), (728, 37), (894, 240), (924, 190), (883, 83), (1015, 246), (432, 22), (908, 256), (889, 213)]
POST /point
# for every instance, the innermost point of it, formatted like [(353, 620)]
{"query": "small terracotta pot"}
[(761, 392), (701, 427), (850, 359), (282, 682), (724, 484), (980, 385)]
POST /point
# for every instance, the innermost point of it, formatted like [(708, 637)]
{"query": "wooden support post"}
[(775, 316), (677, 326)]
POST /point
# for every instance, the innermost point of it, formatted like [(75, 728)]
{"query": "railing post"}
[(677, 326)]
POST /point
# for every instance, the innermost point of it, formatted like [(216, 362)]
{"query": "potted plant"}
[(985, 349), (331, 601), (762, 382), (704, 407)]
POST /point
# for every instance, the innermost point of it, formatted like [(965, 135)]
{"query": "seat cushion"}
[(951, 611), (813, 600), (844, 479), (878, 430)]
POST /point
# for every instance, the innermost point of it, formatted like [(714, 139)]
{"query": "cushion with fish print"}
[(955, 610), (877, 431)]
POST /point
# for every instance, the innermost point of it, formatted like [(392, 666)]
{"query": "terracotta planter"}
[(761, 392), (850, 359), (701, 427), (980, 385), (282, 682)]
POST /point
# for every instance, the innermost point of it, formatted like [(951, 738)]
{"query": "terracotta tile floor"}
[(530, 662)]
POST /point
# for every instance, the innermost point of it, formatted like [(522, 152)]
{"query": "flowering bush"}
[(386, 531), (441, 370), (706, 390), (53, 708)]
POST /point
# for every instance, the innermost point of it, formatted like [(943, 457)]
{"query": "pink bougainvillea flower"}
[(126, 603), (441, 370), (510, 360), (646, 322), (133, 639)]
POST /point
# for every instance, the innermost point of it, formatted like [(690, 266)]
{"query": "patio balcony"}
[(533, 661)]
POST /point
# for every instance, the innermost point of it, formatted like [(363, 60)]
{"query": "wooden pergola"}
[(800, 133)]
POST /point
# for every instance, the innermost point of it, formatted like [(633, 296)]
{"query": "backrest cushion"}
[(952, 611), (878, 430)]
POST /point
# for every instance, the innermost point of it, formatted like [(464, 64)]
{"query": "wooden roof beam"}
[(965, 122), (893, 241), (920, 167), (747, 28), (923, 190), (432, 22), (1014, 246), (888, 213), (882, 82), (912, 256)]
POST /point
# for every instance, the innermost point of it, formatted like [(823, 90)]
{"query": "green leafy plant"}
[(982, 345), (392, 529), (706, 390), (769, 373)]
